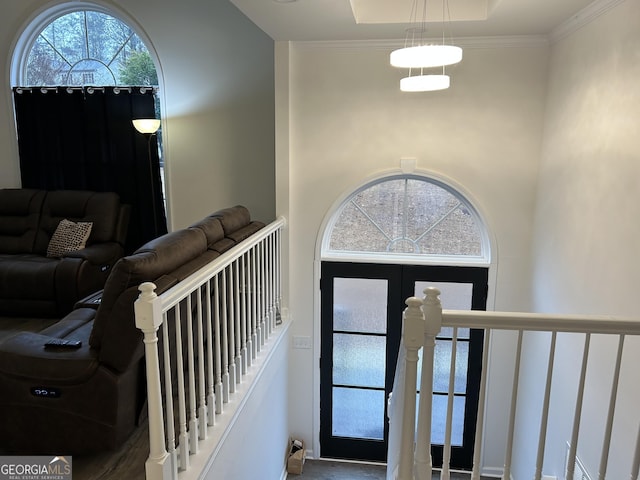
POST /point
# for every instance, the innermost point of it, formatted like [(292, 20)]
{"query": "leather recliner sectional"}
[(36, 283), (74, 401)]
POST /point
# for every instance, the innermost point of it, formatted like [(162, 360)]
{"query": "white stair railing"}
[(213, 326), (423, 320)]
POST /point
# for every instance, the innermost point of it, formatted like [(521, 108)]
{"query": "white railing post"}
[(148, 318), (432, 310), (413, 337)]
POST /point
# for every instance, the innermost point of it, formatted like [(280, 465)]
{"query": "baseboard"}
[(493, 472)]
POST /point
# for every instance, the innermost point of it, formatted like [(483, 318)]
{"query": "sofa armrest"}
[(90, 301), (98, 254), (24, 355)]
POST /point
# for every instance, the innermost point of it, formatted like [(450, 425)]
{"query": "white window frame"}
[(484, 259)]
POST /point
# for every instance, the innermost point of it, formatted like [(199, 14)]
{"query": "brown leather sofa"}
[(74, 401), (35, 281)]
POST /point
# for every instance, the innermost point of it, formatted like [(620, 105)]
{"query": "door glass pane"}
[(360, 305), (358, 413), (359, 360), (439, 417), (442, 364)]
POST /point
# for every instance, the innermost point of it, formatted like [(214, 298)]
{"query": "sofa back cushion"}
[(19, 219), (102, 209), (114, 330), (233, 218), (212, 228)]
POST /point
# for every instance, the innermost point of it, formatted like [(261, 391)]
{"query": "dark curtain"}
[(83, 139)]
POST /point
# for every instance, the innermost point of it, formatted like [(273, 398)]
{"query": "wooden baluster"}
[(236, 319), (246, 357), (261, 298), (211, 373), (256, 300), (202, 383), (222, 394), (183, 434), (231, 344), (432, 310), (148, 319), (413, 337), (602, 471), (168, 388), (573, 447), (542, 438), (477, 445), (191, 379), (226, 382), (506, 475), (446, 454), (635, 466)]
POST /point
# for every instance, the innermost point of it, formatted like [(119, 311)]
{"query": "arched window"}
[(387, 241), (83, 47), (407, 216), (80, 75)]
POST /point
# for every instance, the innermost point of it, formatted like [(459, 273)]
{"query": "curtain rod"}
[(90, 90)]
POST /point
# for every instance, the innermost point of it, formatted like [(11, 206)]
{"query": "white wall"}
[(257, 444), (587, 232), (218, 90), (349, 121)]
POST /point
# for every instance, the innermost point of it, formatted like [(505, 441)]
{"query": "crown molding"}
[(510, 41), (585, 16)]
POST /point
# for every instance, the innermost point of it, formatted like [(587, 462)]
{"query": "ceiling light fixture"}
[(424, 83), (419, 53)]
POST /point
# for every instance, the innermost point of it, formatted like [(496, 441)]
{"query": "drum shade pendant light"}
[(420, 53)]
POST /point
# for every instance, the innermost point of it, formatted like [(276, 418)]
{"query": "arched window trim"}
[(415, 259)]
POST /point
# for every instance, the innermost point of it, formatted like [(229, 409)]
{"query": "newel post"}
[(148, 319), (413, 337), (432, 310)]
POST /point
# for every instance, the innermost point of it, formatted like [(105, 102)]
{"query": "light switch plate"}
[(301, 342)]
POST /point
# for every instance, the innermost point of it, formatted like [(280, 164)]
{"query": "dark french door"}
[(361, 315)]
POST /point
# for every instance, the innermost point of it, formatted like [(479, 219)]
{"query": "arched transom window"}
[(86, 47), (407, 216)]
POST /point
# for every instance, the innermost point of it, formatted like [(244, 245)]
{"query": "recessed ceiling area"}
[(316, 20), (400, 11)]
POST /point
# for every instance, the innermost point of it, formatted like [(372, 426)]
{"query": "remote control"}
[(62, 343)]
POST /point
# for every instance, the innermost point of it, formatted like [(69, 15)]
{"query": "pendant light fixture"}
[(420, 53)]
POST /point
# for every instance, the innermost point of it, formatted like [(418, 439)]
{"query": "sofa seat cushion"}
[(27, 284)]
